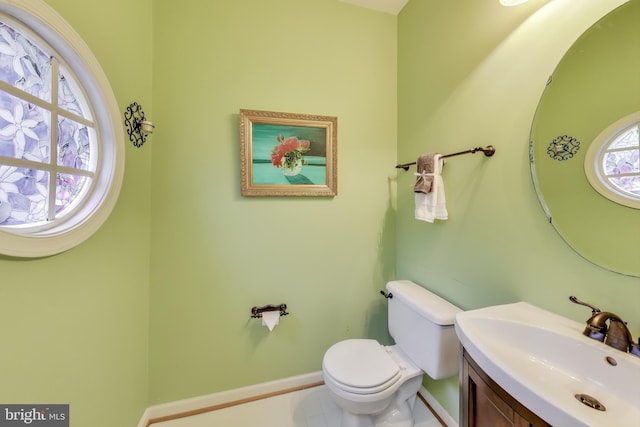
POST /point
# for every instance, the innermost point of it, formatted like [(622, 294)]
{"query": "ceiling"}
[(388, 6)]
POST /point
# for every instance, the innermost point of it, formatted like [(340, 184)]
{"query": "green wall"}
[(75, 325), (157, 307), (216, 254), (470, 73), (189, 246)]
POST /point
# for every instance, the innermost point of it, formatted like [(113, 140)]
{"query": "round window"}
[(61, 140), (612, 163)]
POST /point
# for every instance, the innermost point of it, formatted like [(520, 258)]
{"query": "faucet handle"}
[(575, 300)]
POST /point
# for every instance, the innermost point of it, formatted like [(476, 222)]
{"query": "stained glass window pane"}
[(630, 138), (67, 98), (23, 64), (24, 130), (629, 184), (25, 135), (622, 162), (74, 145), (68, 189), (24, 195)]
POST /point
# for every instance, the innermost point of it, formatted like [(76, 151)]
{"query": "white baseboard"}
[(438, 408), (144, 421), (186, 407)]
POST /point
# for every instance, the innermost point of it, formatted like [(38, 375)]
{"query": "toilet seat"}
[(361, 366)]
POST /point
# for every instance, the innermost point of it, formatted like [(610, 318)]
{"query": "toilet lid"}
[(361, 364)]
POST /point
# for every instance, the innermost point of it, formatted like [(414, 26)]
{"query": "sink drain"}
[(590, 401)]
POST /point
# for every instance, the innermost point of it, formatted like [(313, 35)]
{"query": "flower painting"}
[(285, 154)]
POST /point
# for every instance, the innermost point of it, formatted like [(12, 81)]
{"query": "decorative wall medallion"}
[(138, 127), (563, 148)]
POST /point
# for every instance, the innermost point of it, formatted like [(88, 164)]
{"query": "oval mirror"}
[(595, 85)]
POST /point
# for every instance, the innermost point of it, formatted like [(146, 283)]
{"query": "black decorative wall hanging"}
[(138, 128), (563, 147)]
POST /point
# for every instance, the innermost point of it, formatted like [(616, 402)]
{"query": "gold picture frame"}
[(288, 154)]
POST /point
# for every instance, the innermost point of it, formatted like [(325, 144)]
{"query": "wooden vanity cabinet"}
[(483, 403)]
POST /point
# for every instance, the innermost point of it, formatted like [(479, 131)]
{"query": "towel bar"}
[(488, 151)]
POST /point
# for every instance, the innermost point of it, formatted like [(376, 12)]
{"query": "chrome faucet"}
[(615, 335)]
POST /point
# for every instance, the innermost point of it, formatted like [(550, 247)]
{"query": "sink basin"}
[(543, 360)]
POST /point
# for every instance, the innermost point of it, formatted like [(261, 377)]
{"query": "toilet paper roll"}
[(270, 319)]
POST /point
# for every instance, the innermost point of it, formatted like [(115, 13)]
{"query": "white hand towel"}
[(432, 206)]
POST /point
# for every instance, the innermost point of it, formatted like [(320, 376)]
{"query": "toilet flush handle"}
[(386, 294)]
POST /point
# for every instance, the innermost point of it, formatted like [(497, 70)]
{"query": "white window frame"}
[(73, 229), (593, 162)]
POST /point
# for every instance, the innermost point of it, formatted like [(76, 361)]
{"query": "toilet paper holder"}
[(256, 312)]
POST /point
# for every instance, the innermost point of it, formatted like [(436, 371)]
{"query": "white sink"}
[(543, 360)]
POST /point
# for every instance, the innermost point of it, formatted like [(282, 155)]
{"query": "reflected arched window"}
[(612, 163)]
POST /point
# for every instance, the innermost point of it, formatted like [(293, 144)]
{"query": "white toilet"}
[(376, 386)]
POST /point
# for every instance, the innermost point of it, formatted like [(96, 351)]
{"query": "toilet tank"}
[(421, 324)]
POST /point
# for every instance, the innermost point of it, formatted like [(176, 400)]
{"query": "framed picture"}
[(285, 154)]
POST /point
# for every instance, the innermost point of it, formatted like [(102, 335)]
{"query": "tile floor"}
[(306, 408)]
